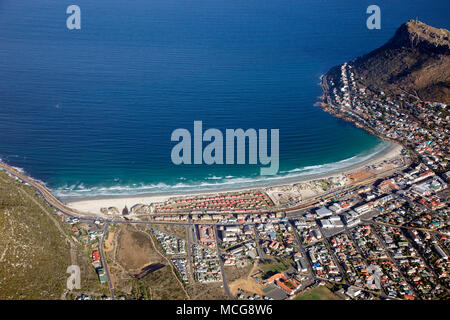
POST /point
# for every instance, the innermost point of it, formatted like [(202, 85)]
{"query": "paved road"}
[(311, 277), (363, 256), (258, 245), (439, 242), (45, 193), (395, 261), (105, 263), (333, 255), (222, 269), (56, 203), (397, 226), (419, 252), (302, 249), (189, 252)]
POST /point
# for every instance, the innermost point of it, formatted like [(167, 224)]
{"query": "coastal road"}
[(311, 203), (105, 263), (45, 193), (57, 204)]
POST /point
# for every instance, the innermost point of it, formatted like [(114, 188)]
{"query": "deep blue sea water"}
[(90, 112)]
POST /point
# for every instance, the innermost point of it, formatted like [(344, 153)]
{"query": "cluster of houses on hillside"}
[(96, 262), (206, 264), (170, 244)]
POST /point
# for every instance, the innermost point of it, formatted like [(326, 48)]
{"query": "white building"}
[(323, 212)]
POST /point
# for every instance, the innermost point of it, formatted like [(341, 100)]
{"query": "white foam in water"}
[(214, 178), (19, 169), (80, 190)]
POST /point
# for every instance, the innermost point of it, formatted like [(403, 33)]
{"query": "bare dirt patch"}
[(133, 253), (207, 291), (135, 250), (246, 285), (236, 272), (359, 176), (239, 279), (109, 242)]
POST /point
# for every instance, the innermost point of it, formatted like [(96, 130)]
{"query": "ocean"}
[(90, 112)]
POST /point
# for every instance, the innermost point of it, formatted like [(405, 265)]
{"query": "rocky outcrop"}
[(415, 61)]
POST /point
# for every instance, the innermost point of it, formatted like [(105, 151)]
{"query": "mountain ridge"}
[(415, 61)]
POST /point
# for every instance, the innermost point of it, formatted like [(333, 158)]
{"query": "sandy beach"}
[(94, 205)]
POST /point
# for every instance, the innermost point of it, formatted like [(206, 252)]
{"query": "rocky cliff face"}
[(415, 61), (416, 34)]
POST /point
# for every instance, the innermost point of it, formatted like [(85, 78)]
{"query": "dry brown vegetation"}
[(177, 231), (317, 293), (35, 250), (207, 291), (34, 255), (415, 61), (133, 249)]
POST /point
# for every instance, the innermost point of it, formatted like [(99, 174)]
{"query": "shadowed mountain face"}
[(415, 61)]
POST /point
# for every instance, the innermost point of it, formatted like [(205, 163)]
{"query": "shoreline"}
[(289, 177), (94, 204), (392, 150)]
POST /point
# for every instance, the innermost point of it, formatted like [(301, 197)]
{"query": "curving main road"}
[(105, 263), (46, 193), (310, 203)]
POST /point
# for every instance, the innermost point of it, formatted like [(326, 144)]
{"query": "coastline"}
[(94, 204)]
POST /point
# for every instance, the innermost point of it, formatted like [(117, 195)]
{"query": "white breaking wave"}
[(337, 164), (213, 183), (19, 169), (214, 178)]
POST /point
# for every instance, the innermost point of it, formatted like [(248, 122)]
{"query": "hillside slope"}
[(416, 61), (34, 254)]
